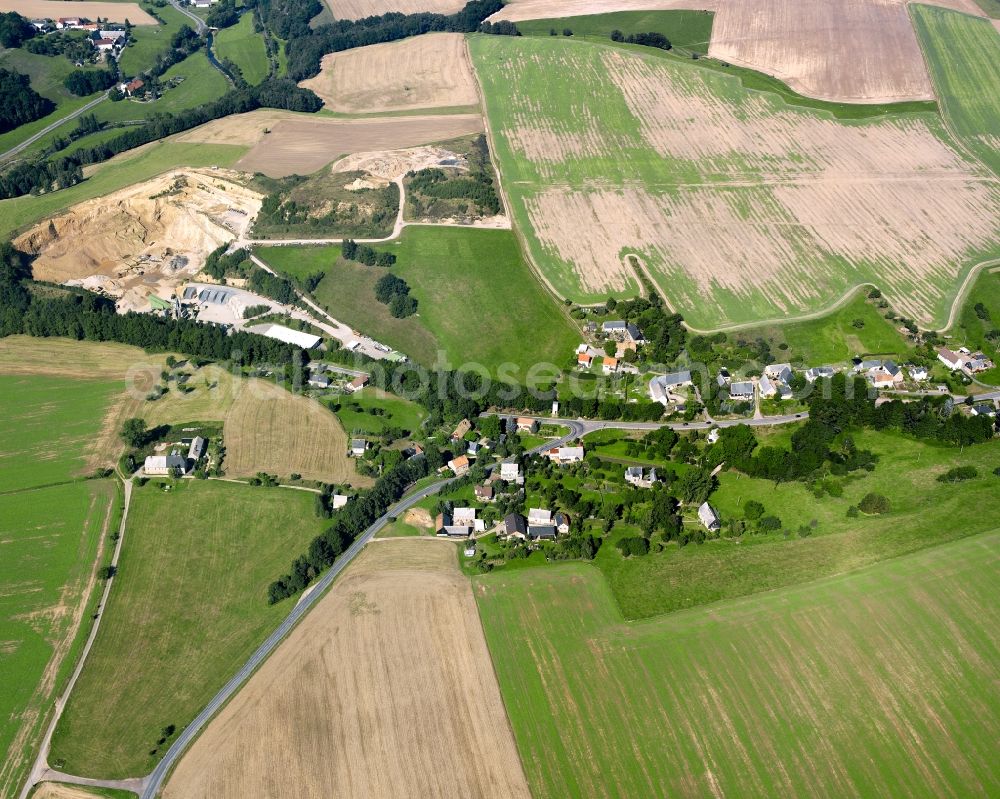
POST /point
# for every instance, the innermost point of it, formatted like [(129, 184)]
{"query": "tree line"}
[(19, 103), (366, 254)]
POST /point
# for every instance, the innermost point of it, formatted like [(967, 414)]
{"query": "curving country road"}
[(49, 128)]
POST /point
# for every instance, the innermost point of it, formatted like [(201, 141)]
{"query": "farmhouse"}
[(459, 465), (885, 375), (197, 448), (950, 359), (164, 464), (661, 385), (514, 526), (623, 331), (635, 475), (358, 447), (112, 35), (131, 88), (563, 455), (464, 427), (445, 527), (978, 363), (610, 366), (584, 359), (68, 22), (772, 386), (918, 373), (542, 532), (318, 380), (742, 391), (708, 517), (104, 45), (779, 371)]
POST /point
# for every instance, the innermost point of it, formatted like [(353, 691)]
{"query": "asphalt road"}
[(49, 128), (155, 780)]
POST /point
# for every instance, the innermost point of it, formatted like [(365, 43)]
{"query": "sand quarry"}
[(53, 9), (145, 239), (859, 51), (385, 689), (431, 71)]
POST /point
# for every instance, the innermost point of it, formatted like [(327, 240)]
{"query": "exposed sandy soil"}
[(358, 9), (386, 689), (419, 517), (301, 146), (772, 190), (271, 430), (431, 71), (145, 239), (56, 790), (862, 51), (391, 164), (53, 9)]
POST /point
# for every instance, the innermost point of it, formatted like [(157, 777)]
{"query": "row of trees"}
[(351, 522), (366, 254)]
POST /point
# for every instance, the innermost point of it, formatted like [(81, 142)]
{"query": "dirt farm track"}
[(53, 9), (385, 689)]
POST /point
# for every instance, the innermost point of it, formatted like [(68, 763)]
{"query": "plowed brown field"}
[(53, 9), (359, 9), (386, 689), (430, 71)]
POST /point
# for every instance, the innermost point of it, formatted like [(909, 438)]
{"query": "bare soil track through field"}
[(385, 690), (430, 71), (856, 51)]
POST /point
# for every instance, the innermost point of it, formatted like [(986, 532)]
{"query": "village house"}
[(539, 516), (485, 493), (950, 359), (635, 475), (742, 391), (466, 517), (165, 464), (526, 424), (472, 450), (584, 359), (131, 88), (319, 380), (713, 435), (984, 409), (708, 517), (623, 331), (661, 385), (562, 523), (464, 427), (514, 526), (459, 465), (67, 22), (918, 373), (773, 387), (885, 375), (819, 373), (197, 449), (338, 501), (357, 383), (610, 366), (542, 532), (113, 35), (104, 45), (779, 371), (41, 25), (511, 473), (723, 378), (977, 363), (358, 447), (564, 455)]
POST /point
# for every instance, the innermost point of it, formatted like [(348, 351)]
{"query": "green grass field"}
[(50, 533), (881, 682), (690, 30), (244, 47), (478, 301), (970, 330), (48, 422), (961, 52), (651, 181), (924, 513), (148, 41), (833, 338), (124, 170), (188, 606), (396, 412)]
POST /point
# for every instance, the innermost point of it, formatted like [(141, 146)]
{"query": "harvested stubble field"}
[(301, 146), (189, 606), (359, 9), (269, 429), (384, 690), (430, 71), (58, 790), (740, 206), (896, 695), (842, 50), (53, 9)]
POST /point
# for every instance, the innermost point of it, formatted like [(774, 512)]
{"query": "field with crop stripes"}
[(881, 682), (961, 52)]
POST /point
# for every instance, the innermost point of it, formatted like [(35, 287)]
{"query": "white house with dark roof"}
[(164, 464), (661, 385), (779, 371), (950, 359), (638, 477), (819, 373), (741, 391), (564, 455), (708, 517), (358, 447)]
